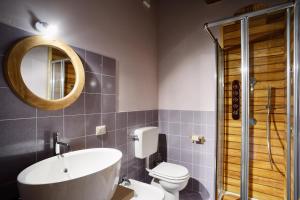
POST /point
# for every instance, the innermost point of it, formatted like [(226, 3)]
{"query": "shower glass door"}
[(267, 106)]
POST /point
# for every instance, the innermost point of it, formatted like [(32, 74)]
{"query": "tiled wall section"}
[(26, 132), (178, 127)]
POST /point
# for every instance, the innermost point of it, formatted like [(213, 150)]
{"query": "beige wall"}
[(186, 53), (122, 29)]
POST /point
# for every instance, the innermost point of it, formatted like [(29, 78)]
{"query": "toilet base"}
[(168, 195)]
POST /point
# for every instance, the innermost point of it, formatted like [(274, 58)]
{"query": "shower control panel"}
[(235, 99)]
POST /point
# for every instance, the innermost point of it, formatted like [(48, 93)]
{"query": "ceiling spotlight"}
[(47, 30)]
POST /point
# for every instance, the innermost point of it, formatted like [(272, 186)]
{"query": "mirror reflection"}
[(48, 72)]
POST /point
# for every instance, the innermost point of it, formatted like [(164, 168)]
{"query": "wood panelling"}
[(268, 66)]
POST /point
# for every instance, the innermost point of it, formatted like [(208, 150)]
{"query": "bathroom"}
[(148, 102)]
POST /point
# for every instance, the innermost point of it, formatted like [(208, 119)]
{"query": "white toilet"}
[(169, 177)]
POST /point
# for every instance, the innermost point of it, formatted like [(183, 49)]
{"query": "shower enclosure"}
[(257, 67)]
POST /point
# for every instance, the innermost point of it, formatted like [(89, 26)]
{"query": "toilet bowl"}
[(171, 178)]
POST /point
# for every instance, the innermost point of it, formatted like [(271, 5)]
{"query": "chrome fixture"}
[(57, 143), (124, 180), (269, 110)]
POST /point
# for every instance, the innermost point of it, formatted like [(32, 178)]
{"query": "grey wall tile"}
[(91, 121), (74, 126), (187, 116), (174, 128), (12, 107), (108, 103), (92, 103), (17, 147), (149, 116), (121, 137), (186, 130), (163, 115), (77, 107), (49, 113), (109, 139), (155, 115), (44, 151), (93, 62), (173, 153), (77, 143), (109, 120), (93, 141), (46, 127), (92, 83), (186, 143), (141, 118), (200, 117), (173, 141), (186, 155), (174, 116), (108, 85), (164, 127), (211, 118), (121, 120), (109, 66), (132, 119)]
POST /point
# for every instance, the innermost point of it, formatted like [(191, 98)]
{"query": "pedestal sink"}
[(90, 174)]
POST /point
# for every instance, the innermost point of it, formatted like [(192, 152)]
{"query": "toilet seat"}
[(170, 172)]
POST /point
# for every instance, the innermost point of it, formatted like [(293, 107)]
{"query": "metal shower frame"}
[(244, 19)]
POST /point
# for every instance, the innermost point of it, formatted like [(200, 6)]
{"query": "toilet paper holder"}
[(198, 139)]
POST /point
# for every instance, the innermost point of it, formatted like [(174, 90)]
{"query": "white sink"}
[(143, 191), (90, 174)]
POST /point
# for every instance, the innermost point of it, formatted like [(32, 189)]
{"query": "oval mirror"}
[(45, 73)]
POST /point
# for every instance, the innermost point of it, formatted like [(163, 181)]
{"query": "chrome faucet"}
[(57, 143)]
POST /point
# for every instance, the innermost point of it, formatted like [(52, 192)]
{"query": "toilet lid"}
[(170, 170)]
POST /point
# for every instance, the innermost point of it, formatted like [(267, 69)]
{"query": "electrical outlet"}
[(100, 130)]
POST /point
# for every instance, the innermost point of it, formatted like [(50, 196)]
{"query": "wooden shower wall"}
[(268, 66)]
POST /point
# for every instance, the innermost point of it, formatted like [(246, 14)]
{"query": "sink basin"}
[(91, 174), (143, 191)]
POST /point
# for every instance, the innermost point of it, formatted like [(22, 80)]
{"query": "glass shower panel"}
[(229, 113), (267, 101)]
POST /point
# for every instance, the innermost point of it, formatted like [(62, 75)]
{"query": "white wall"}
[(122, 29), (186, 53), (34, 70)]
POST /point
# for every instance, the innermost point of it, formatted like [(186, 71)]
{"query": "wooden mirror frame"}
[(17, 84)]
